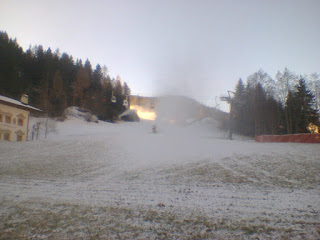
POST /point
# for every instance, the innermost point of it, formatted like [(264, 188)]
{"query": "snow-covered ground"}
[(121, 181)]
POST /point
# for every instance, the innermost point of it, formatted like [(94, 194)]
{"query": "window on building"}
[(19, 138), (1, 118), (8, 119), (20, 122), (0, 136), (6, 136)]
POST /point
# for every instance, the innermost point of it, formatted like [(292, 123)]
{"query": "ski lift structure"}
[(125, 102), (232, 102), (113, 98)]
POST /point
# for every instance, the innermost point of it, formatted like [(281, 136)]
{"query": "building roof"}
[(18, 104)]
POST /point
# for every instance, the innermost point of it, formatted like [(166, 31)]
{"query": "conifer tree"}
[(80, 86), (305, 113), (88, 67), (97, 77), (54, 81), (58, 101)]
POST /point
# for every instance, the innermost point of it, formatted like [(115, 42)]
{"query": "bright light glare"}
[(144, 113), (313, 128)]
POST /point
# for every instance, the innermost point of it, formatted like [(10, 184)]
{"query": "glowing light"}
[(144, 113), (313, 128)]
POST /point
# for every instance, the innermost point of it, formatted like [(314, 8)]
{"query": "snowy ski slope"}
[(121, 181)]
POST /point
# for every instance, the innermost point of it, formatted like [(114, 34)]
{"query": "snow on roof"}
[(18, 103)]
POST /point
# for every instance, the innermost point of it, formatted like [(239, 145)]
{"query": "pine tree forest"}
[(288, 104), (54, 81)]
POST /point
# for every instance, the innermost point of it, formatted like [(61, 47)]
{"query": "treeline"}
[(288, 104), (54, 81)]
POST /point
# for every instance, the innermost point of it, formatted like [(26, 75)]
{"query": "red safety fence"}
[(296, 138)]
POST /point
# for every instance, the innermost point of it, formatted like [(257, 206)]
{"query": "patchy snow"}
[(81, 113), (122, 181)]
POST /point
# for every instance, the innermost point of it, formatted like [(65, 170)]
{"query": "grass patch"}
[(70, 221)]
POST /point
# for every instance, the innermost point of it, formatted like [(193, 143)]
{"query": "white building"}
[(14, 118)]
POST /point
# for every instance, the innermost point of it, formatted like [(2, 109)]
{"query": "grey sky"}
[(197, 48)]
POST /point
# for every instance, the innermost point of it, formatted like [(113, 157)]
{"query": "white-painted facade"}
[(14, 119)]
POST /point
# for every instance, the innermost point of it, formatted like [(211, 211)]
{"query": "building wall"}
[(13, 123)]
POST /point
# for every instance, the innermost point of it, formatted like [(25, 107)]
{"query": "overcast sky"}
[(197, 48)]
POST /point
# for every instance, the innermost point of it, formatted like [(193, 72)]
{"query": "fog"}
[(186, 73), (184, 177), (185, 180)]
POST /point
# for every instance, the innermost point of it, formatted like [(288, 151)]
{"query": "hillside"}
[(177, 108), (121, 181)]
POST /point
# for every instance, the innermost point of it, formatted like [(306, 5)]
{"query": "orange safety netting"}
[(297, 138)]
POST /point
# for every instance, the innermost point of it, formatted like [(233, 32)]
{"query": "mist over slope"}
[(103, 180), (178, 109)]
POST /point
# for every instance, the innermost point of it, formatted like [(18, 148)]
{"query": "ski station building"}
[(14, 118)]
